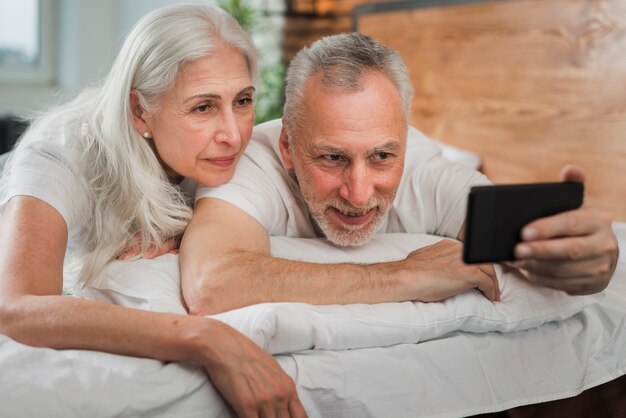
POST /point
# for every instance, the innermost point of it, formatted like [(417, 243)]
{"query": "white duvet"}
[(292, 327), (459, 357)]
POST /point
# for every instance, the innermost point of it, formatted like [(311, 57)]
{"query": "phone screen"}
[(497, 214)]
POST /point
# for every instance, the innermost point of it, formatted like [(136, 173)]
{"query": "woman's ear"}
[(284, 148), (139, 116)]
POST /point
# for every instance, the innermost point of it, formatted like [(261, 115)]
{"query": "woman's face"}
[(204, 122)]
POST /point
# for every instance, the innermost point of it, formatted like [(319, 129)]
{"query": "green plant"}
[(247, 16), (270, 95)]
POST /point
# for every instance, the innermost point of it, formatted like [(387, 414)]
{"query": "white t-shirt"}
[(51, 170), (431, 197)]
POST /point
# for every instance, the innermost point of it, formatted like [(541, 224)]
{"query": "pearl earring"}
[(146, 135)]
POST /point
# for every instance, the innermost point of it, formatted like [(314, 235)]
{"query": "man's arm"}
[(226, 264)]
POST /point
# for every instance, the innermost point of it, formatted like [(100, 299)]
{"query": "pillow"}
[(152, 285), (290, 327)]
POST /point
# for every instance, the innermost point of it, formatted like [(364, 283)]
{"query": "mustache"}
[(348, 209)]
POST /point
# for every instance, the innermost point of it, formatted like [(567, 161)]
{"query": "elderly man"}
[(345, 166)]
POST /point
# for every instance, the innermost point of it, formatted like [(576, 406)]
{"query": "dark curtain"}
[(11, 129)]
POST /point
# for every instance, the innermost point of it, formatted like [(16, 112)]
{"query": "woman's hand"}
[(250, 379), (133, 249)]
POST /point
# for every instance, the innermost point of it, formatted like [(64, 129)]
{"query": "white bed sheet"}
[(452, 373)]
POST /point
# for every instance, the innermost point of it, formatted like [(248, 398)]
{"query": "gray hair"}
[(342, 60), (128, 188)]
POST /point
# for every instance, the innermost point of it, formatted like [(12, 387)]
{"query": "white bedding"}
[(350, 361), (291, 327)]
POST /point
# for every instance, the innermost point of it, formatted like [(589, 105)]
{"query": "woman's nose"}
[(228, 131)]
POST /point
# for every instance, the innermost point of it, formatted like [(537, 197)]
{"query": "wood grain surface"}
[(310, 20), (530, 85), (327, 7), (301, 31)]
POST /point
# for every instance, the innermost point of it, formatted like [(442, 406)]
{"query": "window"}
[(27, 41)]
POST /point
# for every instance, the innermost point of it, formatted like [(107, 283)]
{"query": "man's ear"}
[(284, 148), (139, 116)]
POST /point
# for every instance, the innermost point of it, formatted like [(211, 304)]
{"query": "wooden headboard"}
[(530, 85)]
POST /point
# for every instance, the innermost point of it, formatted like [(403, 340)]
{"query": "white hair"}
[(128, 189), (342, 60)]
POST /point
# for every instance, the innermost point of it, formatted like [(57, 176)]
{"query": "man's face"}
[(348, 156)]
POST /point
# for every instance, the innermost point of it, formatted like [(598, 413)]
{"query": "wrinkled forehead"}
[(369, 115)]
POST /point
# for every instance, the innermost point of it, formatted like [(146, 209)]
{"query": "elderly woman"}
[(118, 165)]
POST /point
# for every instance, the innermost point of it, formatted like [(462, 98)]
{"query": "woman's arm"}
[(33, 238)]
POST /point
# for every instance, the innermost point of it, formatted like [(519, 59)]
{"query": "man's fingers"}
[(579, 222), (596, 267), (571, 285), (572, 173), (490, 273), (488, 269), (570, 249), (488, 290), (489, 287)]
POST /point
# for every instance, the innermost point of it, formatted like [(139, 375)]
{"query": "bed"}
[(461, 357)]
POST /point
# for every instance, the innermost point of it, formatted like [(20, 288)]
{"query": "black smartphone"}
[(496, 215)]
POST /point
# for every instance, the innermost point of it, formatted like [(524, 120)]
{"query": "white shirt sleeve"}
[(45, 171), (254, 189), (445, 186), (432, 196)]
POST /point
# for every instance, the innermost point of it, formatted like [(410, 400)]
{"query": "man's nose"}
[(228, 129), (358, 185)]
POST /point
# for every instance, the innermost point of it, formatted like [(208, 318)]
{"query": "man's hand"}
[(441, 273), (574, 251), (248, 378)]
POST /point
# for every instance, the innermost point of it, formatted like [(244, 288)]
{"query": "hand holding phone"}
[(497, 214)]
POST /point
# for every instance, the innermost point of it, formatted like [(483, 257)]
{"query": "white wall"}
[(132, 10), (89, 34)]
